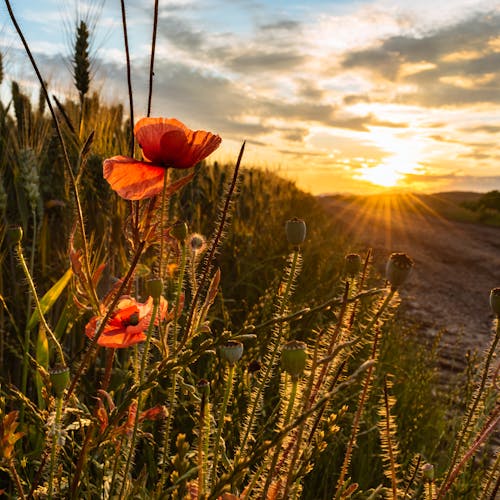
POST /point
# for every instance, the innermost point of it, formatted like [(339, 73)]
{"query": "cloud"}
[(454, 66)]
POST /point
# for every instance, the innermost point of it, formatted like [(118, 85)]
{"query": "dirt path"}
[(456, 266)]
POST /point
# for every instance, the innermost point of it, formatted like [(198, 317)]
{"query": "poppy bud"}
[(59, 378), (293, 358), (295, 231), (495, 301), (180, 231), (155, 287), (428, 472), (204, 387), (14, 234), (352, 264), (398, 269), (232, 351)]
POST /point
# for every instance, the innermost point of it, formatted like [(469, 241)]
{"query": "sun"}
[(382, 175), (390, 173)]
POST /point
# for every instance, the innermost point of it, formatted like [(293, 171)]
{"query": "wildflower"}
[(127, 324), (165, 142), (197, 243)]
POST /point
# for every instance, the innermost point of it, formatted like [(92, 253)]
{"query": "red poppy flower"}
[(165, 142), (127, 324)]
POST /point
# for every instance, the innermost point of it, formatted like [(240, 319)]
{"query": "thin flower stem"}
[(291, 402), (56, 434), (364, 394), (27, 336), (471, 411), (203, 439), (129, 79), (140, 401), (213, 248), (152, 61), (488, 428), (88, 275), (270, 364), (163, 210), (17, 480), (222, 416), (29, 279)]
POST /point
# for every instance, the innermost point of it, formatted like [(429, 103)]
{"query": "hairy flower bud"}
[(428, 472), (155, 287), (179, 231), (197, 243), (398, 269), (14, 234), (59, 377), (231, 351), (352, 264), (495, 301), (293, 358), (295, 231)]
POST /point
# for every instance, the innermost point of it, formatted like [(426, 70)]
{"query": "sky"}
[(340, 96)]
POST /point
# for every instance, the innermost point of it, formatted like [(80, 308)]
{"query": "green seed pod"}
[(180, 231), (428, 472), (231, 351), (14, 234), (293, 358), (59, 377), (353, 264), (495, 301), (398, 269), (155, 287), (295, 231)]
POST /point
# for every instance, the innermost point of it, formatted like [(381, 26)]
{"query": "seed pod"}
[(352, 264), (293, 358), (428, 472), (398, 269), (155, 287), (295, 231), (59, 376), (232, 351), (495, 301), (179, 231), (14, 234)]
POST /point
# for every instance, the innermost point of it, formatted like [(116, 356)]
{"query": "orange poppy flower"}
[(127, 324), (165, 143)]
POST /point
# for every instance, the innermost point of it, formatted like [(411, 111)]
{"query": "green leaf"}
[(50, 298)]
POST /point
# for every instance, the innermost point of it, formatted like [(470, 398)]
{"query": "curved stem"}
[(129, 78), (222, 416), (152, 61)]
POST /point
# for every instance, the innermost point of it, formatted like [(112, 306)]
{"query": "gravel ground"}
[(456, 266)]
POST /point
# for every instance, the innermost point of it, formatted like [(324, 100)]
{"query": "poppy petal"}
[(132, 179), (149, 132), (197, 146)]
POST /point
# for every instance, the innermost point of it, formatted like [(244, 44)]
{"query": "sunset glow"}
[(411, 101)]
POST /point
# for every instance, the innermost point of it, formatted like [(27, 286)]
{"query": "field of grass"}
[(216, 339)]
